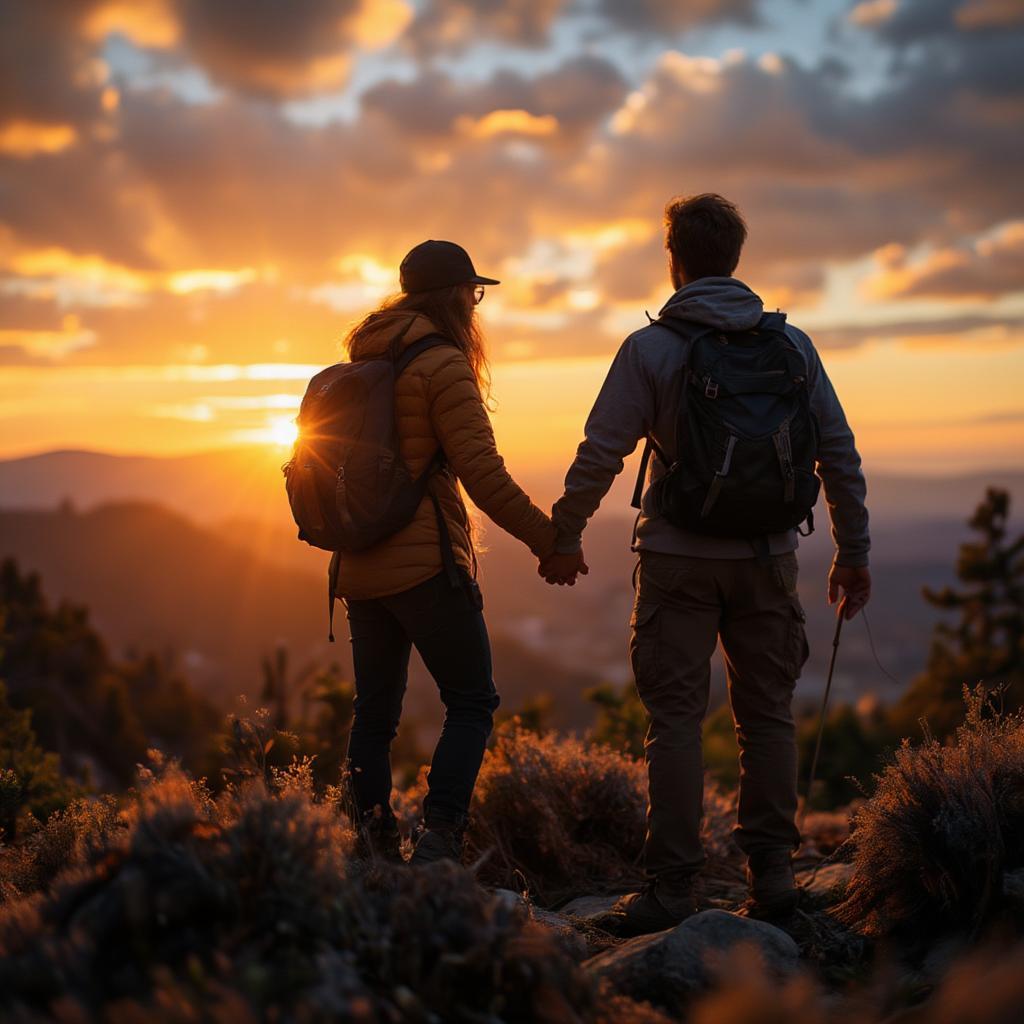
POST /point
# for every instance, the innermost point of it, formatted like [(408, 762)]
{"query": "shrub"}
[(31, 785), (945, 822), (246, 907), (985, 987), (563, 818)]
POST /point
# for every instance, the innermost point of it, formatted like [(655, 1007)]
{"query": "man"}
[(693, 588)]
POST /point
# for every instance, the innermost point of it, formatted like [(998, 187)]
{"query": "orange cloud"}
[(978, 14), (29, 138), (987, 267), (508, 122)]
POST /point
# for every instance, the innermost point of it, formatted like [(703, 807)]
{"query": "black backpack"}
[(347, 484), (746, 438)]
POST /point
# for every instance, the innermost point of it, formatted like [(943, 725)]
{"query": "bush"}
[(31, 785), (945, 822), (246, 907), (985, 987), (562, 818)]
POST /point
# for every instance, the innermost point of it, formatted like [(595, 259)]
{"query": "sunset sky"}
[(197, 196)]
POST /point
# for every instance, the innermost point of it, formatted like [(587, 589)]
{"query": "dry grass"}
[(560, 818), (986, 987), (247, 907), (945, 822)]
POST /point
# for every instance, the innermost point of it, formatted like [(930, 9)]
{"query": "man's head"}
[(704, 235)]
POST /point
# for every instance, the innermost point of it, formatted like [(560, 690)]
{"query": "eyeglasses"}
[(478, 294)]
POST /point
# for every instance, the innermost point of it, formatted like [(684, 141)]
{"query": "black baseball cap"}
[(434, 264)]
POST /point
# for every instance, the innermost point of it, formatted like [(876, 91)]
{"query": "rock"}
[(567, 937), (509, 900), (671, 966), (586, 908), (828, 883), (565, 934)]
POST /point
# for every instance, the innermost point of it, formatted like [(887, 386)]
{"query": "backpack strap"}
[(650, 447), (417, 348), (451, 568), (332, 587), (690, 331), (402, 362)]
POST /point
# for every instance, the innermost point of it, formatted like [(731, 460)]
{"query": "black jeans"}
[(446, 624)]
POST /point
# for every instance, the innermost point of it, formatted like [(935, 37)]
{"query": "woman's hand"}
[(563, 569)]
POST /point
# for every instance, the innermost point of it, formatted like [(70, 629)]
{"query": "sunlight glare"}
[(283, 431)]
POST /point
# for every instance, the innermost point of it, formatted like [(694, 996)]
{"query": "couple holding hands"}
[(741, 425)]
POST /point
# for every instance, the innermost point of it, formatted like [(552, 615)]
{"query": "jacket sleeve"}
[(622, 414), (839, 466), (460, 421)]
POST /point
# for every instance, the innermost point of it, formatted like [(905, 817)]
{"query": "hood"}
[(723, 302), (378, 335)]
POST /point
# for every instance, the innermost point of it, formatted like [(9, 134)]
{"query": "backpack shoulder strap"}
[(417, 348)]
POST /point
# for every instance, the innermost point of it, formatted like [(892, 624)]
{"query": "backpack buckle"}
[(710, 388)]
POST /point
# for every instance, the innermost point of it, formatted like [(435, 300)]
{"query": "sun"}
[(283, 431)]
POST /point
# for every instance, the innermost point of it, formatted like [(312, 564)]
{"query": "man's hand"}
[(855, 585), (556, 568)]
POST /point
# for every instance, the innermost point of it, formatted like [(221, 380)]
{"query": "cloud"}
[(453, 25), (50, 78), (221, 227), (578, 96), (986, 268), (17, 355), (279, 50), (972, 329), (977, 14), (650, 16)]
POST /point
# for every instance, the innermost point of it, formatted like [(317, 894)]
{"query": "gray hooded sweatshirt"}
[(639, 400)]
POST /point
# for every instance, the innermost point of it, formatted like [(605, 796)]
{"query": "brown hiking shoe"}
[(654, 908), (773, 891)]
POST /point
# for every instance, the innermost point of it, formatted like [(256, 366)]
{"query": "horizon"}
[(234, 192)]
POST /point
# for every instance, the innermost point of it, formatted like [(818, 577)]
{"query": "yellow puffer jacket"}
[(438, 403)]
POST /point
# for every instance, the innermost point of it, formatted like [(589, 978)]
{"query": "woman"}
[(417, 586)]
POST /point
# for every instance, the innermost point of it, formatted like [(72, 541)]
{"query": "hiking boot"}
[(377, 838), (773, 891), (440, 843), (654, 908)]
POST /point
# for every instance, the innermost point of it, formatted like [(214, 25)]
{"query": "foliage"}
[(99, 715), (987, 644), (561, 817), (945, 821), (852, 742), (30, 781), (983, 987), (533, 715), (245, 907), (621, 721)]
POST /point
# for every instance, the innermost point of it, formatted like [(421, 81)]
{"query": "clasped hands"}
[(562, 569)]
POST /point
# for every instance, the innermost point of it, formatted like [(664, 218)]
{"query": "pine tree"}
[(987, 644), (30, 779)]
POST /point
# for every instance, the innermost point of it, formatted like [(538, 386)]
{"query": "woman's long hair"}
[(452, 313)]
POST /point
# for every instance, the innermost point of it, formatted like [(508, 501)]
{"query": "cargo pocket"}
[(785, 571), (798, 647), (644, 643)]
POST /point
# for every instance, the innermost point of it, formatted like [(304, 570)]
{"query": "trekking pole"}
[(840, 616)]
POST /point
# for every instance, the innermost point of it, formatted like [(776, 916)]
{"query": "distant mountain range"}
[(198, 553), (155, 581), (247, 482)]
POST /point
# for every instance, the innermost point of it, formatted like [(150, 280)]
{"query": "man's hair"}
[(705, 234)]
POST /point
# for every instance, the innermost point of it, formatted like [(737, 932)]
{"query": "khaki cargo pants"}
[(683, 605)]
